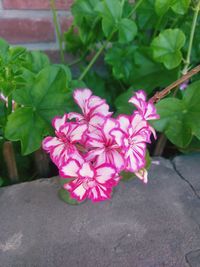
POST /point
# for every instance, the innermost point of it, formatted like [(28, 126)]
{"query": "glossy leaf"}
[(127, 30), (179, 119), (121, 58), (181, 6), (45, 98), (167, 47), (37, 61), (162, 6)]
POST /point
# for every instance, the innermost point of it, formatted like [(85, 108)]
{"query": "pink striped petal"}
[(142, 174), (108, 126), (124, 122), (105, 173), (138, 122), (141, 95), (59, 121), (86, 171), (50, 142), (77, 133), (96, 121), (70, 169), (151, 113), (100, 193), (116, 159), (91, 155), (119, 136), (74, 115), (76, 189), (81, 97)]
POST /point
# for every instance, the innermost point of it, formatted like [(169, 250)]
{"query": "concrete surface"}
[(153, 225)]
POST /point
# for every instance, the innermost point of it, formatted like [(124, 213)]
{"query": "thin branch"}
[(159, 95)]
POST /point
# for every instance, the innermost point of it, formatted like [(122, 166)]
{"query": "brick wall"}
[(29, 22)]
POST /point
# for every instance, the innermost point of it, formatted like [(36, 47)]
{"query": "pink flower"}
[(94, 109), (142, 174), (90, 182), (132, 137), (146, 109), (62, 147), (104, 148)]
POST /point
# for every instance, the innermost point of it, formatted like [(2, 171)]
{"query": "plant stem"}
[(160, 146), (159, 95), (139, 2), (105, 44), (95, 58), (9, 157), (9, 109), (76, 61), (194, 22), (56, 24), (157, 27)]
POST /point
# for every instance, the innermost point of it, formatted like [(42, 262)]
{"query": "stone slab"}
[(153, 225)]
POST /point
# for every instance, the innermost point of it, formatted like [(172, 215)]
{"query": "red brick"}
[(65, 23), (36, 4), (16, 30)]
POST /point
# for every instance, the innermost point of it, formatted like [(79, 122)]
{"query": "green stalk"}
[(56, 24), (157, 27), (194, 22), (95, 57), (105, 44), (9, 109), (139, 2)]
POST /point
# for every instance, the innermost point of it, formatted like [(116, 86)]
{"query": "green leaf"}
[(146, 17), (181, 6), (37, 61), (67, 72), (162, 6), (64, 195), (179, 119), (42, 99), (27, 126), (121, 103), (111, 13), (121, 58), (194, 146), (127, 30), (167, 47), (84, 11), (87, 19), (136, 67), (4, 47), (148, 74), (73, 42), (172, 121)]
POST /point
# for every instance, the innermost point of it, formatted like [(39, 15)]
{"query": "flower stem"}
[(95, 58), (9, 109), (159, 95), (139, 2), (56, 24), (194, 22)]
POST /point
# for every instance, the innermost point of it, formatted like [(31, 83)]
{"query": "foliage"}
[(142, 44), (147, 44)]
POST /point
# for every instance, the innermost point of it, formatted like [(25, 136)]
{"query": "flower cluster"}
[(92, 148)]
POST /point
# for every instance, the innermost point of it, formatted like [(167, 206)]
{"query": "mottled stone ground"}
[(153, 225)]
